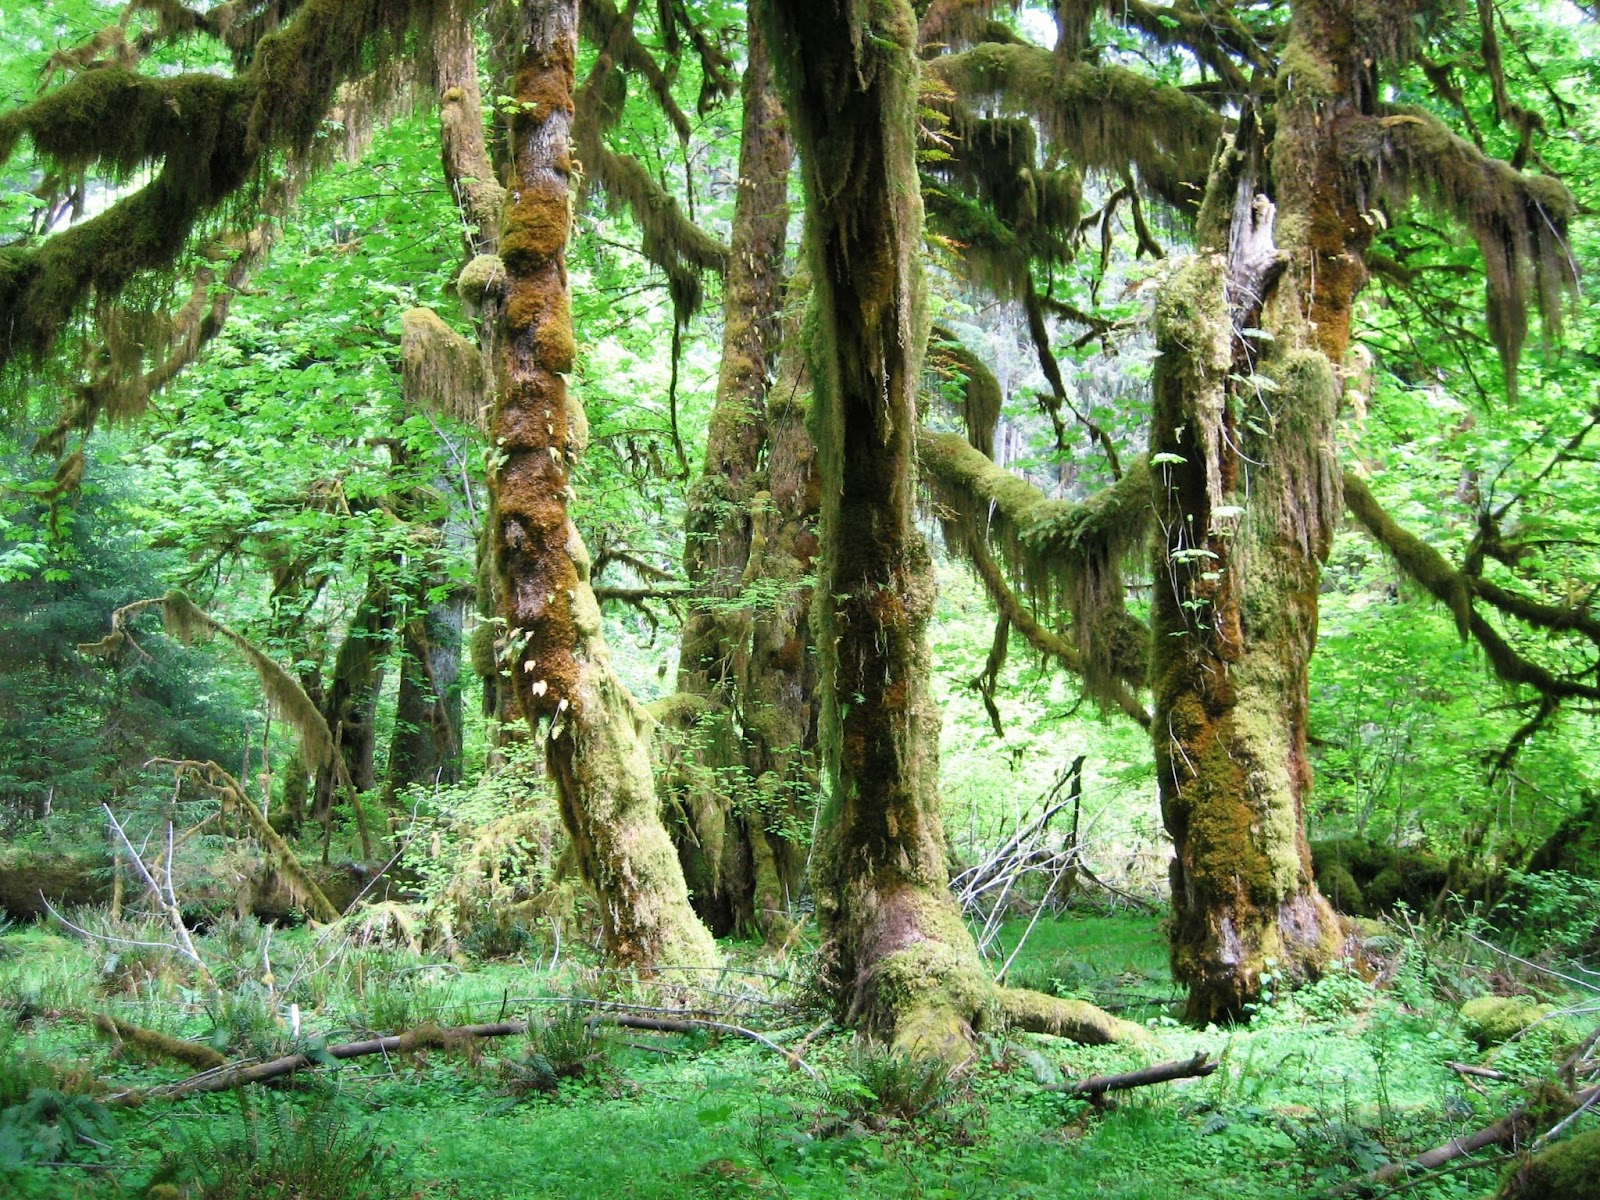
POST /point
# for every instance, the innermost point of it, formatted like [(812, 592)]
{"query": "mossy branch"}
[(232, 793), (211, 135), (1068, 554), (1428, 568), (1518, 220), (186, 622), (1106, 118), (671, 241)]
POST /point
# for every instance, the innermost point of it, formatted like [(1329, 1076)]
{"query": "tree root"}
[(1075, 1020)]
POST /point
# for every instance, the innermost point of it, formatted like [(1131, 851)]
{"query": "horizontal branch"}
[(1429, 569), (1106, 118)]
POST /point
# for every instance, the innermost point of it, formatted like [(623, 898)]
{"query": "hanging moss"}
[(440, 369), (210, 135), (1518, 220), (1069, 555), (980, 390), (1104, 117)]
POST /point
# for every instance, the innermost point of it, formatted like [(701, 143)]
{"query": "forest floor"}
[(1320, 1087)]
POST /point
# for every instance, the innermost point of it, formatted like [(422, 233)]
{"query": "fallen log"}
[(1097, 1086), (222, 1079), (423, 1037), (158, 1044), (1516, 1126)]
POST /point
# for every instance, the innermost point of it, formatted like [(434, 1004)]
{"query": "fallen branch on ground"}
[(1515, 1126), (424, 1037), (1096, 1086)]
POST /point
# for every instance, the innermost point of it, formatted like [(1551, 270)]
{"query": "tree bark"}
[(1247, 492), (351, 700), (896, 953), (748, 733), (594, 731)]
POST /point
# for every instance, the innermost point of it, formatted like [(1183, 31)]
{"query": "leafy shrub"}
[(886, 1084), (55, 1126), (285, 1154), (562, 1046), (1557, 910)]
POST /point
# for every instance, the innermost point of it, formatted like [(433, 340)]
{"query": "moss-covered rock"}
[(1490, 1020), (1340, 887), (1568, 1170)]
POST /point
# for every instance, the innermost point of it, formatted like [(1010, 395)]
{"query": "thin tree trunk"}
[(596, 735)]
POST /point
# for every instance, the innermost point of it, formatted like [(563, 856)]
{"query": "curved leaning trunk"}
[(596, 735)]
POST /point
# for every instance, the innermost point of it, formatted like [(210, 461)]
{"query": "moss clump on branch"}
[(439, 368), (156, 1044), (1104, 117)]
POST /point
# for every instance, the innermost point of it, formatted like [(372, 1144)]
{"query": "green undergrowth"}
[(1319, 1087)]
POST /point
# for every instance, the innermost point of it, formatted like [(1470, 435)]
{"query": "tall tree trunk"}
[(896, 952), (426, 745), (596, 735), (351, 701), (738, 845), (1247, 491)]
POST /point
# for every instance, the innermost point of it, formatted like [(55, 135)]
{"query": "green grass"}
[(1321, 1086)]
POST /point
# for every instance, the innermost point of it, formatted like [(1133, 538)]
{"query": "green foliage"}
[(1552, 912), (885, 1084), (280, 1152), (560, 1046)]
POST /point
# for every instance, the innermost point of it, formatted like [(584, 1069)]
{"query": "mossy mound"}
[(1340, 887), (1491, 1020), (1568, 1170), (29, 877), (1365, 878)]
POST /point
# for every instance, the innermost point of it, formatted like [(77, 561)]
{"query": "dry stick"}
[(1098, 1085), (166, 901), (1480, 1072)]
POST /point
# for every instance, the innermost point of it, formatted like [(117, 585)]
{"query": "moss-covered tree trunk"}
[(595, 733), (1246, 488), (740, 750), (350, 702), (896, 952), (425, 747)]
